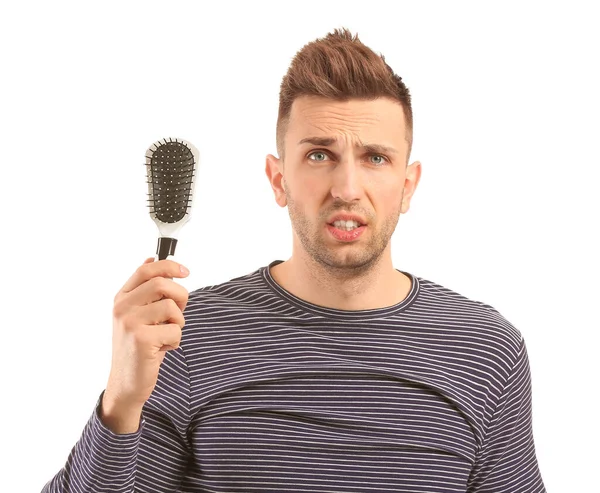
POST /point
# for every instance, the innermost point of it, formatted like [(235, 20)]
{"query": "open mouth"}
[(346, 231), (346, 225)]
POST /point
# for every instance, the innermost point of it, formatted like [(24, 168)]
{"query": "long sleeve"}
[(506, 462), (100, 460), (152, 459)]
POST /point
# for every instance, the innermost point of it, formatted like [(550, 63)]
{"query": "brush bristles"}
[(170, 171)]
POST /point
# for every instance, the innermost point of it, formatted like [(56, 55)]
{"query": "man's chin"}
[(346, 261)]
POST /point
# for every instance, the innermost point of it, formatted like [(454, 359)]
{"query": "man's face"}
[(344, 160)]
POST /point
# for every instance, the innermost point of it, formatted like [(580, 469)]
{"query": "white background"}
[(506, 109)]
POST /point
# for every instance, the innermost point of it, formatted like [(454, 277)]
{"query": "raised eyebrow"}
[(328, 141), (379, 149)]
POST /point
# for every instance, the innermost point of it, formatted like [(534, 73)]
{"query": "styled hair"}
[(340, 67)]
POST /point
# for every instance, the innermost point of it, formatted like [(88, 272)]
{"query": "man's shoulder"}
[(463, 313)]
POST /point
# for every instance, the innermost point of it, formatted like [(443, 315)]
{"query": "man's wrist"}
[(119, 419)]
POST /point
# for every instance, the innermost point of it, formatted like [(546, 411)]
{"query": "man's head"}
[(340, 67), (344, 135)]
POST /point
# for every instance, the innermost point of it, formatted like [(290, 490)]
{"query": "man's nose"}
[(346, 183)]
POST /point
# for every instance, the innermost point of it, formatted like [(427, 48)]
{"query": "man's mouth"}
[(346, 225), (346, 231)]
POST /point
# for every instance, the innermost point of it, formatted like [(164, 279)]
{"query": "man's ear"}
[(274, 171), (413, 175)]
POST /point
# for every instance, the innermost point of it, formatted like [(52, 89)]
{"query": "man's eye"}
[(318, 156), (379, 159)]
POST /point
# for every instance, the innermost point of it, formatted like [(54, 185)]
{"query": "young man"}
[(331, 371)]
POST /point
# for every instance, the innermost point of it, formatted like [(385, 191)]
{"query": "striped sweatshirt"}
[(270, 393)]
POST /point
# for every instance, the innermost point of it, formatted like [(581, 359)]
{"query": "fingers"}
[(153, 290), (168, 336), (161, 312), (150, 269)]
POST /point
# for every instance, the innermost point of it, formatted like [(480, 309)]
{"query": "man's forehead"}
[(354, 113), (316, 106), (322, 121)]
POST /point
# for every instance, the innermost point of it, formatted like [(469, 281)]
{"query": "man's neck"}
[(378, 287)]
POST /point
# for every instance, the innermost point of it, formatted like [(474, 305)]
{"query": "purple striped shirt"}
[(269, 393)]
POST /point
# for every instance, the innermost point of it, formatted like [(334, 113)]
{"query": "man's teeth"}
[(346, 225)]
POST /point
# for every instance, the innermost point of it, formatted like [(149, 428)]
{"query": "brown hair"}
[(340, 67)]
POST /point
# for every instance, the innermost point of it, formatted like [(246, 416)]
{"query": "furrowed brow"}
[(318, 141), (328, 141)]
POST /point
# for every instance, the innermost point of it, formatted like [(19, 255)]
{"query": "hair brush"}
[(171, 166)]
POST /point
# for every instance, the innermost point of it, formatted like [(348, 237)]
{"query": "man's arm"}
[(137, 437), (506, 462), (153, 456), (100, 461)]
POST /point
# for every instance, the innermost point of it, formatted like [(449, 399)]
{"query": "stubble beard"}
[(340, 260)]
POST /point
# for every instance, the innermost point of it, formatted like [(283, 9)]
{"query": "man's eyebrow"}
[(327, 141), (318, 141)]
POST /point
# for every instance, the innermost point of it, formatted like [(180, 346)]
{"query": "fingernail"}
[(184, 271)]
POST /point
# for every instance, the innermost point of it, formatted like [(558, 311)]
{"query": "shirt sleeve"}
[(506, 461), (152, 459)]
